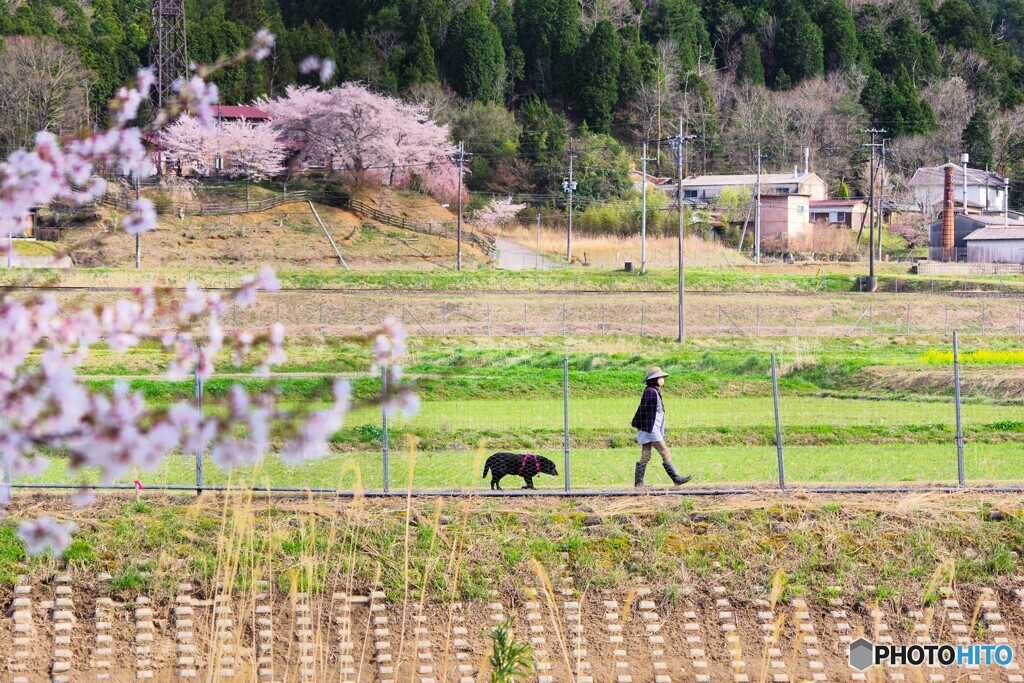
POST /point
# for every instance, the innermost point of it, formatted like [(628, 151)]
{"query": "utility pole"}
[(536, 260), (643, 211), (1006, 202), (964, 158), (569, 185), (881, 193), (138, 243), (757, 211), (462, 162), (872, 281), (678, 142)]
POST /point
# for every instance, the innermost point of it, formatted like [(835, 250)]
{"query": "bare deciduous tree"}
[(45, 87)]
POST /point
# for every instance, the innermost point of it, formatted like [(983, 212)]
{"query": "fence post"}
[(199, 407), (908, 320), (778, 426), (982, 318), (602, 320), (524, 320), (945, 318), (956, 399), (565, 420), (871, 319), (719, 321), (1018, 318), (384, 425), (362, 319), (563, 320)]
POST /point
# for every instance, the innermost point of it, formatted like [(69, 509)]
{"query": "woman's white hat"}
[(655, 373)]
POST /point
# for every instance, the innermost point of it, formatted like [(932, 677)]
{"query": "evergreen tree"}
[(750, 69), (542, 129), (782, 81), (630, 73), (419, 64), (681, 21), (548, 31), (839, 35), (501, 16), (977, 138), (599, 76), (798, 43), (958, 24), (474, 58)]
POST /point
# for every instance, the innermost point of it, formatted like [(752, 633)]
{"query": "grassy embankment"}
[(438, 551)]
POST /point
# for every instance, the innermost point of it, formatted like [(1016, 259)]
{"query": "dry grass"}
[(610, 250), (287, 236)]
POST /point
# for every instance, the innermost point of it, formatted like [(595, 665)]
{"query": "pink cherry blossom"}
[(369, 134), (45, 534), (46, 407)]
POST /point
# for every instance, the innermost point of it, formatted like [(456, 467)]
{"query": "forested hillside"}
[(518, 79)]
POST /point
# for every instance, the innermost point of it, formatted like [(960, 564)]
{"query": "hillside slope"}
[(287, 235)]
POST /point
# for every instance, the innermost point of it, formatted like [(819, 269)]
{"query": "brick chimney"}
[(948, 250)]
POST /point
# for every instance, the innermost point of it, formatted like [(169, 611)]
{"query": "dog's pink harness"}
[(526, 459)]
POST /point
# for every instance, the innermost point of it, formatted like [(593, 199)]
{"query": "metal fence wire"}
[(768, 434)]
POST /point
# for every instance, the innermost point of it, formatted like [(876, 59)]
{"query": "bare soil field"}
[(651, 314)]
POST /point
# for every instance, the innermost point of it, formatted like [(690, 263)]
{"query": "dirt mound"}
[(990, 381)]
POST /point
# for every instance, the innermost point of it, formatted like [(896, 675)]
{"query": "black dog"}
[(525, 465)]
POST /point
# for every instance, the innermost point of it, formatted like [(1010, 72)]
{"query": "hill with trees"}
[(517, 80)]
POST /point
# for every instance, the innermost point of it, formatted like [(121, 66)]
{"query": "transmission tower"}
[(167, 45)]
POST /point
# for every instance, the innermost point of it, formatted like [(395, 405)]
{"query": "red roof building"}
[(236, 111)]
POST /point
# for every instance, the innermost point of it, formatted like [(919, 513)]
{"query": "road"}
[(515, 256)]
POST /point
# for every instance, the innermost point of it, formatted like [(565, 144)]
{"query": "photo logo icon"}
[(862, 654)]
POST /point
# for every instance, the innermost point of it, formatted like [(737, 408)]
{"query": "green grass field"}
[(840, 277), (607, 468)]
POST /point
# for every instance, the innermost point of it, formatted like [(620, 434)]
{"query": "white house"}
[(985, 191), (704, 188)]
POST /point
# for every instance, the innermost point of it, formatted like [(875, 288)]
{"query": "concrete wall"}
[(938, 268)]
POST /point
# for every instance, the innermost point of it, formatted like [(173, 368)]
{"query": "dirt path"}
[(514, 256)]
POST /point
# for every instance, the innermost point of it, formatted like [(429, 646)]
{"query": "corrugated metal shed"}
[(996, 233)]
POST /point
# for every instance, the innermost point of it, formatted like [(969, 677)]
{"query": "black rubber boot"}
[(638, 475), (673, 475)]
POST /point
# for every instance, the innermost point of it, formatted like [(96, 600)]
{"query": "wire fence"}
[(648, 316), (760, 430)]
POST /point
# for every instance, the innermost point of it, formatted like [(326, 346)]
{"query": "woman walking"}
[(649, 421)]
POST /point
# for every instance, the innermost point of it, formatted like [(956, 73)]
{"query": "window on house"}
[(690, 194), (800, 209)]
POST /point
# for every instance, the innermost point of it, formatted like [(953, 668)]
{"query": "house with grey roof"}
[(985, 190)]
